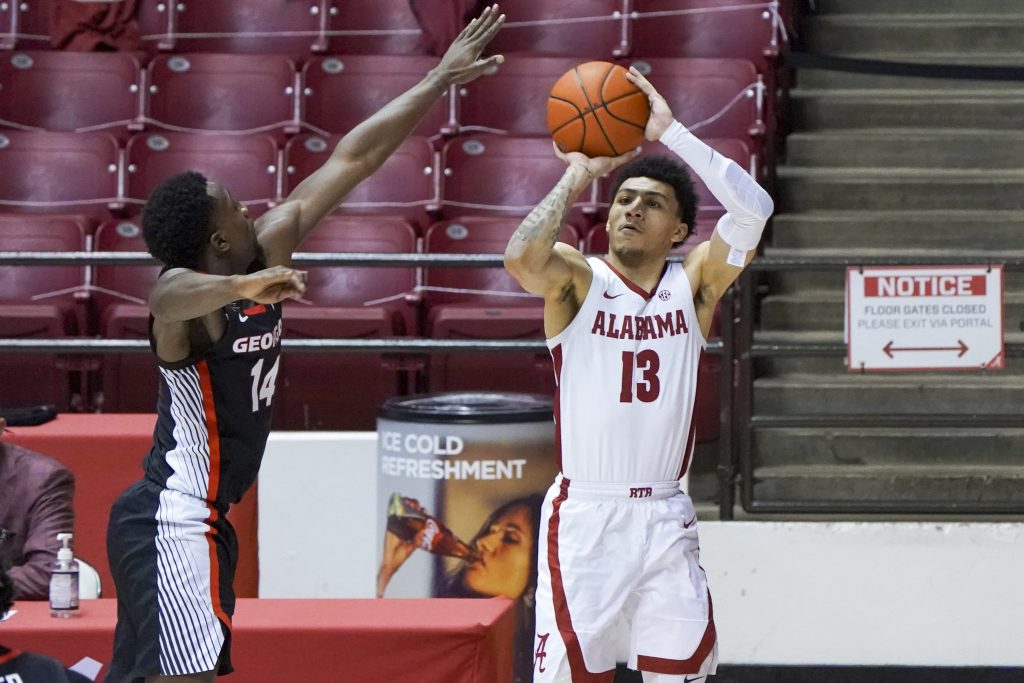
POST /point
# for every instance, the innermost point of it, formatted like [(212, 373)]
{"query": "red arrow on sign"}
[(889, 348)]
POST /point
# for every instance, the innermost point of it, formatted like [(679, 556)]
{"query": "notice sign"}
[(924, 318)]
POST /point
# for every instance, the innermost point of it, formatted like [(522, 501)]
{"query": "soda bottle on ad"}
[(406, 518)]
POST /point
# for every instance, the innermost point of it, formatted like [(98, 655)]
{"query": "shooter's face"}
[(643, 219), (232, 222)]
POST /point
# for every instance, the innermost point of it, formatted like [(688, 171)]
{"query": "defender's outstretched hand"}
[(272, 285), (597, 167), (661, 116), (462, 61)]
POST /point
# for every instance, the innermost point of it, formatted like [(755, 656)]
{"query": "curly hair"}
[(664, 169), (176, 220)]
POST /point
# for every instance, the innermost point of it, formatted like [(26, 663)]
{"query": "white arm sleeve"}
[(746, 203)]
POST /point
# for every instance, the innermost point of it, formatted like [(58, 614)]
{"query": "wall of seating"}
[(255, 94)]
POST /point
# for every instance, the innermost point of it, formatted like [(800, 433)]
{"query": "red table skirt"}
[(105, 453), (329, 641)]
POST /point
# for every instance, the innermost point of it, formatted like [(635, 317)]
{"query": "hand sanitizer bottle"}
[(64, 582)]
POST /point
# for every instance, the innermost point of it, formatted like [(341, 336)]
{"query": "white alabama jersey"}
[(626, 375)]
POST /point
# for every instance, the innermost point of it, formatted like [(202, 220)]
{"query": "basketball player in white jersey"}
[(619, 573)]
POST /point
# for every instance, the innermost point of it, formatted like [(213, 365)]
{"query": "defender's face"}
[(643, 219), (232, 222), (506, 551)]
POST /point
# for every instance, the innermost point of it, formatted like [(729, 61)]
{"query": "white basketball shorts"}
[(619, 579)]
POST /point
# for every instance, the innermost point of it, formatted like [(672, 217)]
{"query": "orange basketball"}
[(593, 109)]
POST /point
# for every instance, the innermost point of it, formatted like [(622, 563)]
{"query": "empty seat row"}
[(59, 91), (485, 174), (595, 29), (340, 302)]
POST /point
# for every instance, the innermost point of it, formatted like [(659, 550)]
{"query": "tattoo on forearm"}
[(547, 217)]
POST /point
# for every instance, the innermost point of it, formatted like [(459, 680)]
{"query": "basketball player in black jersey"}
[(216, 331)]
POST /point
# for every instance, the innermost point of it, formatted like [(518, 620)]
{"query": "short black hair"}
[(672, 173), (176, 220), (6, 589)]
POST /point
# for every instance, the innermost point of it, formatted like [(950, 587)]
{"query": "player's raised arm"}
[(747, 205), (363, 149), (533, 255), (182, 294)]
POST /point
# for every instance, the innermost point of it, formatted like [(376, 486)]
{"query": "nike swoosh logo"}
[(693, 680), (607, 296), (687, 525), (242, 318)]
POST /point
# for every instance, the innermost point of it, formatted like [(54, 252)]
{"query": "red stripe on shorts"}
[(679, 667), (577, 666)]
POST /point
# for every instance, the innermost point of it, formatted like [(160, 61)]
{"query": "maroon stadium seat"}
[(482, 314), (717, 98), (343, 391), (378, 27), (223, 92), (25, 24), (157, 24), (245, 165), (596, 27), (8, 26), (63, 91), (130, 381), (731, 28), (58, 172), (405, 184), (514, 97), (734, 149), (340, 92), (501, 175), (292, 27), (40, 302)]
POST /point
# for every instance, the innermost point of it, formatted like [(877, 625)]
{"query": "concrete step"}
[(835, 188), (916, 488), (908, 446), (932, 107), (821, 79), (924, 7), (914, 33), (855, 230), (781, 366), (825, 309), (1011, 59), (907, 148), (890, 394)]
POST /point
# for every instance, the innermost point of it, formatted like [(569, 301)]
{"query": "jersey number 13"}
[(647, 387)]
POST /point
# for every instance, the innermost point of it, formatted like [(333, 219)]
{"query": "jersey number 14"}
[(648, 387), (263, 391)]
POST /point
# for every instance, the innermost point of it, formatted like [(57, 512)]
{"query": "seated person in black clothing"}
[(28, 667)]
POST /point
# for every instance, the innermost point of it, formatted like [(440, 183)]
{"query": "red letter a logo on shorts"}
[(540, 654)]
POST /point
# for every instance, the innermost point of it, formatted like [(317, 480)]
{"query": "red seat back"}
[(58, 172), (514, 97), (501, 175), (705, 28), (715, 98), (222, 92), (341, 92), (245, 165), (378, 27), (291, 27), (404, 185), (597, 28), (62, 91)]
